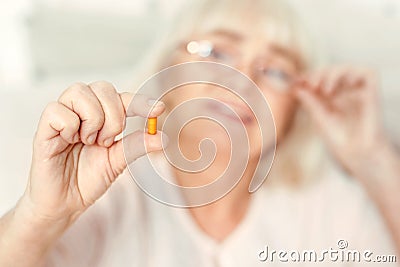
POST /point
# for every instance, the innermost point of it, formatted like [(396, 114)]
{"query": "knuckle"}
[(97, 121), (54, 111), (116, 127), (51, 107), (75, 89), (51, 111), (103, 86)]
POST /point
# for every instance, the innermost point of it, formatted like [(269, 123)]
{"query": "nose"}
[(247, 67)]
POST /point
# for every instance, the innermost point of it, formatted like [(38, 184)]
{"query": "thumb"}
[(134, 146)]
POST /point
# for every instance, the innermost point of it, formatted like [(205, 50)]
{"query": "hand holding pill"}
[(76, 157)]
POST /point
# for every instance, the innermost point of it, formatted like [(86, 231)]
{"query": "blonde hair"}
[(299, 157), (279, 21)]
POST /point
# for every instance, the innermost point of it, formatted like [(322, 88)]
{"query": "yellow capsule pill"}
[(152, 126)]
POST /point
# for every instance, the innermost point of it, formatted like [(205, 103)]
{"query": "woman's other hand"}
[(343, 101)]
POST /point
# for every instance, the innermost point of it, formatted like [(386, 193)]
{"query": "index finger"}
[(141, 105)]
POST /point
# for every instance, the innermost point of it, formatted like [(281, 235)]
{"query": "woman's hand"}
[(75, 158), (344, 104), (343, 101)]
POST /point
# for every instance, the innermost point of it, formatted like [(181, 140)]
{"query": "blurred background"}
[(46, 45)]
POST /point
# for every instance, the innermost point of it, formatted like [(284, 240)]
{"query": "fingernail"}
[(154, 103), (108, 142), (92, 138)]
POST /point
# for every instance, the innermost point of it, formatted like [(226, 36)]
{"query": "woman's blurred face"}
[(272, 67)]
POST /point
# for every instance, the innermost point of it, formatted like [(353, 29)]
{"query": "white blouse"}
[(128, 228)]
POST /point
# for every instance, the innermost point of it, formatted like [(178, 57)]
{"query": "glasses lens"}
[(269, 75), (208, 51)]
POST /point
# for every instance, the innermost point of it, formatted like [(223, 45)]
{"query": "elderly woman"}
[(335, 177)]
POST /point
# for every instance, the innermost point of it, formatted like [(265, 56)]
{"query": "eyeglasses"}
[(266, 74)]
